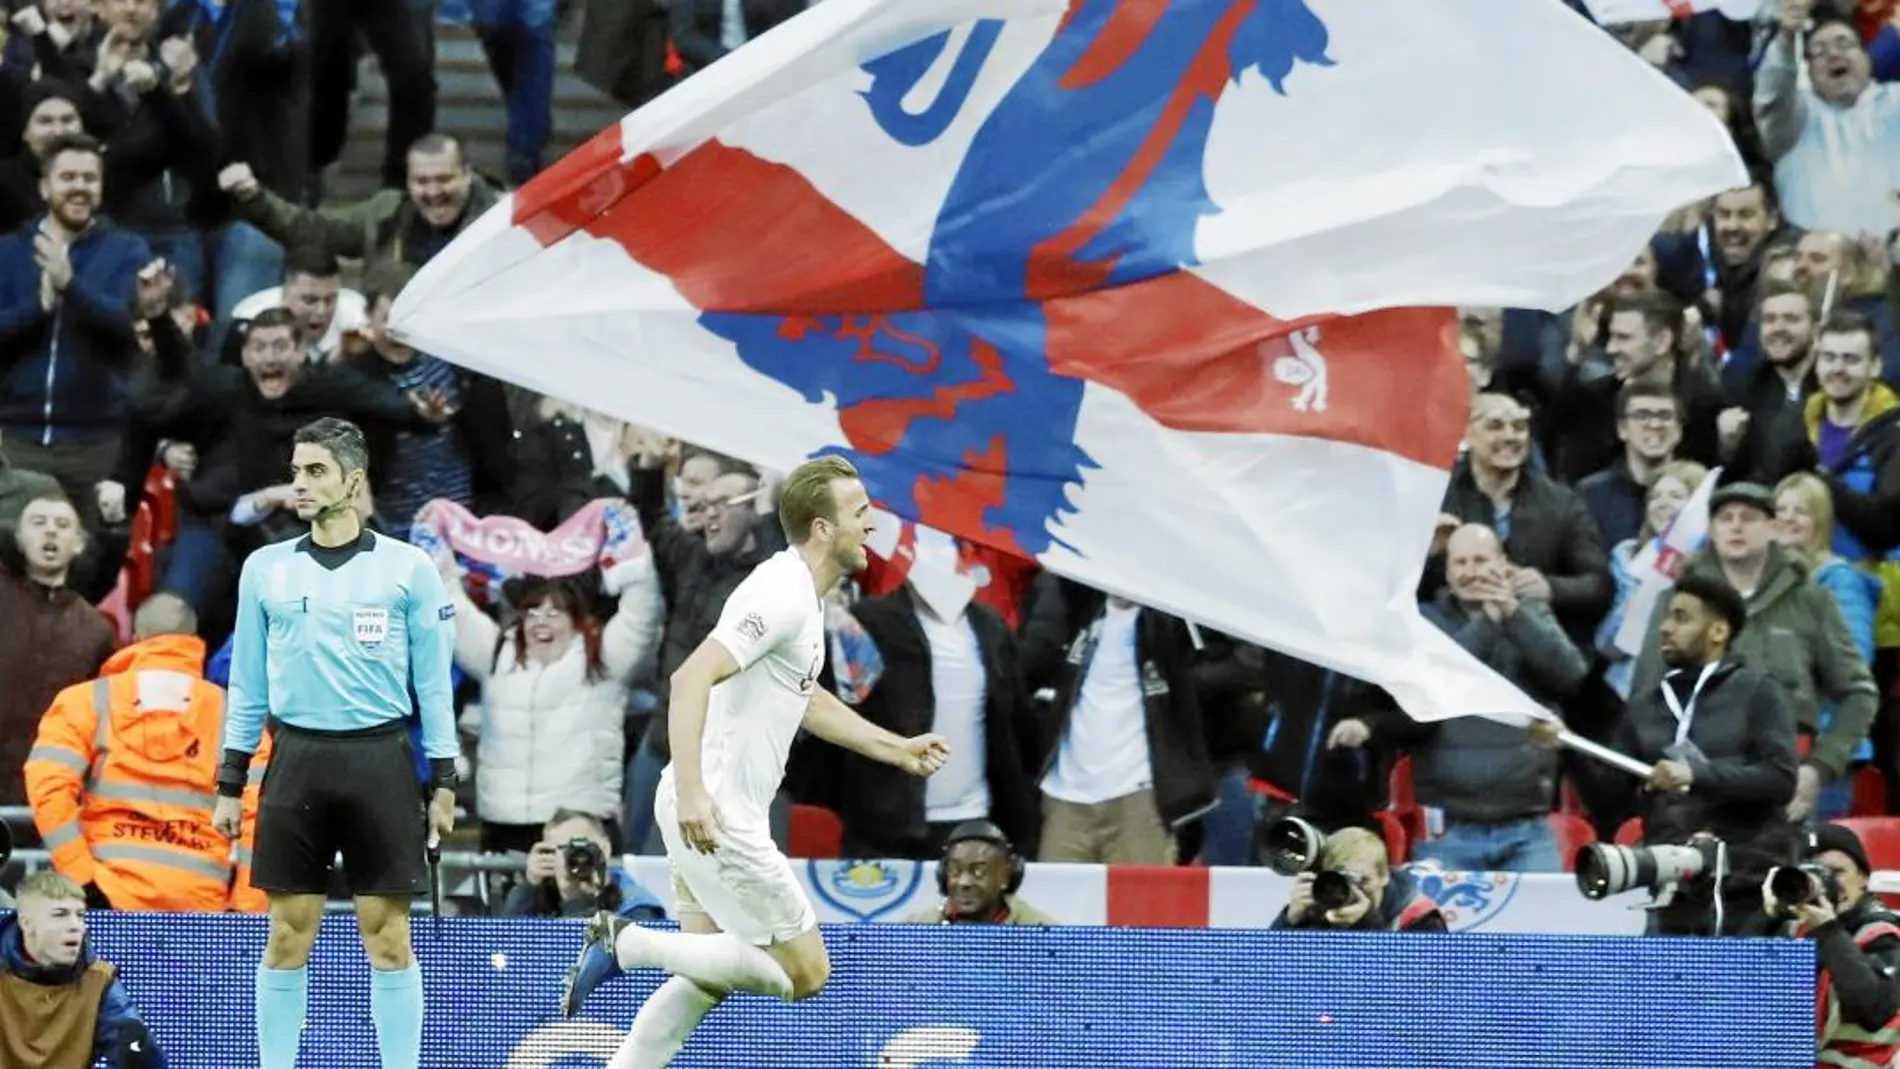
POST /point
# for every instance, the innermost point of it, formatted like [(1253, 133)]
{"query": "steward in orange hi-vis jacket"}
[(123, 777)]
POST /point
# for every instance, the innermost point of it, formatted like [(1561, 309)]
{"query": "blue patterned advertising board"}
[(915, 997)]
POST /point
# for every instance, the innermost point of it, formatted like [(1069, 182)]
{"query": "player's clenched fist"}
[(925, 754)]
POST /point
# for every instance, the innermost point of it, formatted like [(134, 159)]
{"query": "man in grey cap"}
[(1795, 633)]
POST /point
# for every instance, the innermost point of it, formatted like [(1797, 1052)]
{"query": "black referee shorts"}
[(353, 793)]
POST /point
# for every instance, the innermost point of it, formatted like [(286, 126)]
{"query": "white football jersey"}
[(774, 627)]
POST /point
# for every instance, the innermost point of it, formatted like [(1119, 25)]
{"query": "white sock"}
[(663, 1023), (718, 961)]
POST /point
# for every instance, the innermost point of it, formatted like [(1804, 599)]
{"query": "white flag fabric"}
[(1657, 564), (1128, 287), (1617, 12)]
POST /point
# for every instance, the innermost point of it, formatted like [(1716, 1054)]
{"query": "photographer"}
[(1720, 733), (569, 874), (1353, 866), (1856, 945)]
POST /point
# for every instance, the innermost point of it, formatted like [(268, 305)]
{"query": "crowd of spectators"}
[(173, 306)]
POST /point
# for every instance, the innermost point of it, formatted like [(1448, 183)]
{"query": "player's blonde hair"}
[(50, 885), (808, 495)]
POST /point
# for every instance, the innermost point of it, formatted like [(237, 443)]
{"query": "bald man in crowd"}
[(1555, 547), (1493, 786)]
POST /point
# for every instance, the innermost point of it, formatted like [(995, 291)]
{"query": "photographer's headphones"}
[(985, 832)]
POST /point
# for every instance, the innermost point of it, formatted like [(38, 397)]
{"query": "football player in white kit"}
[(736, 705)]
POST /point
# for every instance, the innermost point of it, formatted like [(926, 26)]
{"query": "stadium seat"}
[(1881, 837), (1401, 786), (1870, 793), (1269, 791), (816, 832), (140, 571), (1630, 833), (161, 493), (1568, 800), (1398, 842), (1405, 801), (1572, 833), (114, 609)]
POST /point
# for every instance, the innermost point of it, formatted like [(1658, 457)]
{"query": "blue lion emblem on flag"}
[(1468, 900)]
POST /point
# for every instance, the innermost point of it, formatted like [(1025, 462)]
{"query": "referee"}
[(335, 633)]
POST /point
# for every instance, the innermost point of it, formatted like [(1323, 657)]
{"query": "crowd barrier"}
[(856, 892), (940, 997), (846, 892)]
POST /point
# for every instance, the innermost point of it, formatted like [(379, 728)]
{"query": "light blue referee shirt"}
[(333, 639)]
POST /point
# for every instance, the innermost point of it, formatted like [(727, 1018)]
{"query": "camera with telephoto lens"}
[(1797, 885), (1293, 846), (586, 862), (1605, 869)]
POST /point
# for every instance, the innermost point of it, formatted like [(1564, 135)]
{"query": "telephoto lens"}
[(1605, 869), (1292, 846), (1796, 885)]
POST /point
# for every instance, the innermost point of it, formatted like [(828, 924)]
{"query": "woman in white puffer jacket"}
[(554, 700)]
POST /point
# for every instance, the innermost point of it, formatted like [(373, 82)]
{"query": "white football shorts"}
[(745, 885)]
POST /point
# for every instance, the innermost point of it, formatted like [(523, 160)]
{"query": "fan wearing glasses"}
[(1835, 141)]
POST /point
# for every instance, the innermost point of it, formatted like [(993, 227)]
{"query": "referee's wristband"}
[(442, 775), (233, 774)]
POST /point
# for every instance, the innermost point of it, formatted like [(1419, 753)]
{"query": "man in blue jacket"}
[(61, 1006), (68, 284)]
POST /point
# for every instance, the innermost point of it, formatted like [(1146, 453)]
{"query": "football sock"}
[(395, 1005), (663, 1023), (718, 962), (283, 996)]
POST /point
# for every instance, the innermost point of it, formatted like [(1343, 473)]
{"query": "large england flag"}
[(1618, 12), (1153, 292)]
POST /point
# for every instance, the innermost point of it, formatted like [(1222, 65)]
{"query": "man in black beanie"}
[(48, 110), (1856, 943)]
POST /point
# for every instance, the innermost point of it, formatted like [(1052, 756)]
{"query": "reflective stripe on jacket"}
[(123, 778), (1847, 1045)]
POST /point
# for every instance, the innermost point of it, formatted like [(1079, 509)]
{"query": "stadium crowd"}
[(173, 306)]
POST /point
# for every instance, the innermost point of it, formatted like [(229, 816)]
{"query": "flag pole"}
[(1604, 754)]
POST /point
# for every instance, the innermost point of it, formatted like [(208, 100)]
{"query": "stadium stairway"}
[(468, 105)]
